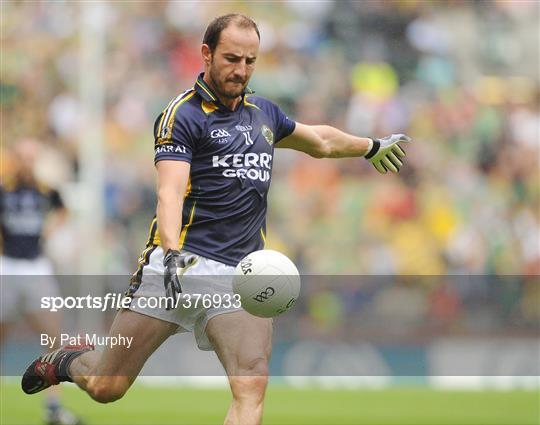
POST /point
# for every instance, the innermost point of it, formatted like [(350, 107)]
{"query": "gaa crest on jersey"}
[(267, 134), (166, 134)]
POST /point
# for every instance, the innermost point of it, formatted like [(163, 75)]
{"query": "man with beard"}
[(214, 147)]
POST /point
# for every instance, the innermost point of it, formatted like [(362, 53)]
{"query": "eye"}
[(251, 61)]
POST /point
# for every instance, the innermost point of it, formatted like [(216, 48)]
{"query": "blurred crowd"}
[(460, 77), (412, 309)]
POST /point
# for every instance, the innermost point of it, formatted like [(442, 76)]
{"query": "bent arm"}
[(172, 181), (324, 141)]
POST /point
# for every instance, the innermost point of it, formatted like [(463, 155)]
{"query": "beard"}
[(219, 86)]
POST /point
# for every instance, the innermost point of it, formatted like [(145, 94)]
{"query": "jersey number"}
[(247, 136)]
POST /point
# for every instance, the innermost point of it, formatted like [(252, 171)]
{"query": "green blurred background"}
[(87, 79)]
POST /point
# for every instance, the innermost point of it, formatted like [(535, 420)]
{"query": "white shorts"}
[(23, 284), (205, 277)]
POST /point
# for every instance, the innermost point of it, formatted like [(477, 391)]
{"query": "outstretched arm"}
[(324, 141)]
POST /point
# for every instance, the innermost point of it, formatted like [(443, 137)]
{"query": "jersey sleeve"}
[(283, 125), (175, 132)]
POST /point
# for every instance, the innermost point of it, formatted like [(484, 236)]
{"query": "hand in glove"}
[(386, 153)]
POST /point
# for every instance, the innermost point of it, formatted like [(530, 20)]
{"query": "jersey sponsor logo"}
[(244, 127), (253, 166), (251, 173), (267, 134), (219, 133), (262, 160), (170, 148)]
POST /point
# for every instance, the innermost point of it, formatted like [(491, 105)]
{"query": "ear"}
[(206, 54)]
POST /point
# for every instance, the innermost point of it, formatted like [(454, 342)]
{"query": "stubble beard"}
[(219, 87)]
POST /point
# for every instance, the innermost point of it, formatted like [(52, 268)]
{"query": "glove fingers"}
[(380, 167), (394, 160), (389, 165), (398, 150)]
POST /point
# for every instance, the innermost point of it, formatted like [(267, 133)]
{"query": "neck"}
[(227, 101)]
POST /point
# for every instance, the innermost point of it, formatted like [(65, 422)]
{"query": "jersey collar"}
[(208, 94)]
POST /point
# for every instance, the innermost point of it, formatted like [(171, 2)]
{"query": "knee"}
[(257, 368), (251, 381), (105, 389)]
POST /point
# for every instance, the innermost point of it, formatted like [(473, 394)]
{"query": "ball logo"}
[(246, 266), (288, 306), (264, 294)]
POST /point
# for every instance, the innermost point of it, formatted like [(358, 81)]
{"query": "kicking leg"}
[(108, 375), (243, 344)]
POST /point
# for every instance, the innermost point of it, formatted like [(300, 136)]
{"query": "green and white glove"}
[(386, 154)]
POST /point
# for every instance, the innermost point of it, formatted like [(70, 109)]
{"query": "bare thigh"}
[(148, 334), (242, 342), (107, 376)]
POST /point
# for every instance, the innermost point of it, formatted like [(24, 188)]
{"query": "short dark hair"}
[(214, 29)]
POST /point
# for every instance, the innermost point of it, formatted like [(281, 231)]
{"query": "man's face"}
[(233, 61)]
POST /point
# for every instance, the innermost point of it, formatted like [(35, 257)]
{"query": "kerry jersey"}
[(231, 154), (23, 209)]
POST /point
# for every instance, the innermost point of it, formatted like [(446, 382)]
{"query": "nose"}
[(240, 70)]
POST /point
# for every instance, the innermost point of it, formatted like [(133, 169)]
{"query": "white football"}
[(268, 283)]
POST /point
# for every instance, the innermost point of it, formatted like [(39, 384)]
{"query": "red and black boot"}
[(51, 368)]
